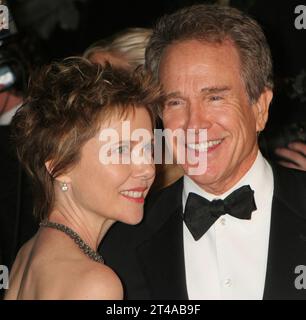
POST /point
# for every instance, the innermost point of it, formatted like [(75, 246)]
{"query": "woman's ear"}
[(48, 165), (63, 178), (261, 109)]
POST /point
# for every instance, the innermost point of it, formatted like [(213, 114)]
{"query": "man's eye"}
[(215, 98)]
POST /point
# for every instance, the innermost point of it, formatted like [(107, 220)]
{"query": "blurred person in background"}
[(294, 156), (125, 48), (17, 223)]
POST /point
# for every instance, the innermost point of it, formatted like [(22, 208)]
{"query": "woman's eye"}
[(122, 149), (174, 103)]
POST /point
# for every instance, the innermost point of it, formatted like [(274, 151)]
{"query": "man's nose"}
[(199, 117)]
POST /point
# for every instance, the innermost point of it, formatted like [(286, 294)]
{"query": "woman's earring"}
[(64, 186)]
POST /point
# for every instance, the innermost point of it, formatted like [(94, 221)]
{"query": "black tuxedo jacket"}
[(149, 257)]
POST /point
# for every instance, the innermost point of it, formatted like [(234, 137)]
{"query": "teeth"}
[(132, 194), (203, 146)]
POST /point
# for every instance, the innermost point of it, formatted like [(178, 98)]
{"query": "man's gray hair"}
[(216, 24)]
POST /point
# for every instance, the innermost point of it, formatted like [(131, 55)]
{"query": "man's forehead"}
[(193, 55), (193, 60)]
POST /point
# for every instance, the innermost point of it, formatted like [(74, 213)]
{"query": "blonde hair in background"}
[(129, 44)]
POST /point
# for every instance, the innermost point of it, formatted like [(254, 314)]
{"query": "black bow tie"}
[(200, 214)]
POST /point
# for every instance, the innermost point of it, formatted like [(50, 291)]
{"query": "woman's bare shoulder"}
[(18, 269), (25, 250), (61, 274), (95, 282), (22, 256)]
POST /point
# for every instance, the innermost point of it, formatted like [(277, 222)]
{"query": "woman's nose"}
[(144, 171)]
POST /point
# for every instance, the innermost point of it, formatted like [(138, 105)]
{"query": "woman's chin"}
[(133, 218)]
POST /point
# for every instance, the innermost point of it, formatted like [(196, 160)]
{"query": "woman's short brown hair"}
[(66, 104)]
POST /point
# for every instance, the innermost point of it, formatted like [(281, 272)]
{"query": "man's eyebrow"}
[(206, 90), (210, 90)]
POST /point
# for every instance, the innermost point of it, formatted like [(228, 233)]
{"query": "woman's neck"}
[(90, 227)]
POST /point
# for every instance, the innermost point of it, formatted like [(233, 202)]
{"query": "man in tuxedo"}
[(238, 229)]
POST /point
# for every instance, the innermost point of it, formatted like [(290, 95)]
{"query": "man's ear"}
[(64, 178), (261, 109)]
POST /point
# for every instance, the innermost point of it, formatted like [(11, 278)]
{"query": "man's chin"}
[(201, 177), (195, 170)]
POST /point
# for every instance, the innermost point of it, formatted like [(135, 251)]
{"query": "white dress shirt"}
[(230, 260)]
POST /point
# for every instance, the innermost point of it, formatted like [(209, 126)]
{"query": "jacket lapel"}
[(162, 255), (287, 245)]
